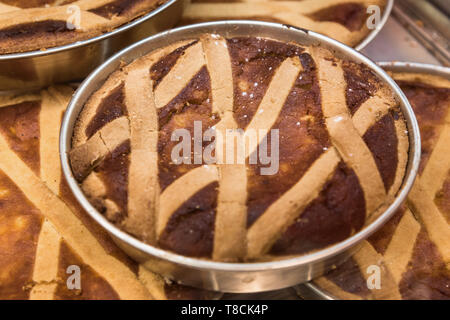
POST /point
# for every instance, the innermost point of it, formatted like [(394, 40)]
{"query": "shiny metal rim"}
[(384, 18), (228, 28)]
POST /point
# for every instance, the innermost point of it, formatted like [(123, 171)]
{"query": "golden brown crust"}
[(343, 20), (40, 25), (414, 245), (229, 211)]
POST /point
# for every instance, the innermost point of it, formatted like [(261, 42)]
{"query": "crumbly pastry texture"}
[(343, 20), (413, 248), (43, 230), (342, 148), (28, 25)]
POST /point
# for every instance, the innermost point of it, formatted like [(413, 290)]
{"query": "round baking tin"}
[(384, 18), (219, 276), (74, 61), (311, 290)]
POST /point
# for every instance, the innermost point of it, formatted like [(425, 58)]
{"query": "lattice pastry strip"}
[(414, 246), (98, 136), (343, 20), (43, 230)]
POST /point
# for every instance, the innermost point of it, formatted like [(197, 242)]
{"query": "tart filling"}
[(323, 148)]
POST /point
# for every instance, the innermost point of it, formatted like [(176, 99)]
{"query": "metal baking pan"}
[(385, 16), (234, 277), (428, 25), (311, 290), (72, 62)]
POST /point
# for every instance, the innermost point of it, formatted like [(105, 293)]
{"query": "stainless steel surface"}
[(427, 24), (395, 43), (234, 277), (37, 69), (310, 290), (384, 18), (428, 13)]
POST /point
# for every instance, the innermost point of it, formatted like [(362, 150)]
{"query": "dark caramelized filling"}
[(443, 198), (362, 84), (20, 126), (352, 282), (381, 239), (254, 62), (382, 141), (350, 15), (427, 276), (111, 107), (192, 104), (114, 172), (333, 216), (19, 232), (26, 30), (160, 69), (190, 230), (115, 8), (430, 105), (92, 285)]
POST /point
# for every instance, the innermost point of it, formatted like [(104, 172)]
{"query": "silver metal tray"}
[(234, 277), (72, 62), (311, 290)]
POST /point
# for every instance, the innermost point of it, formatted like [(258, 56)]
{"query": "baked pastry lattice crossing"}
[(413, 249), (342, 148), (27, 25), (343, 20), (43, 231)]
